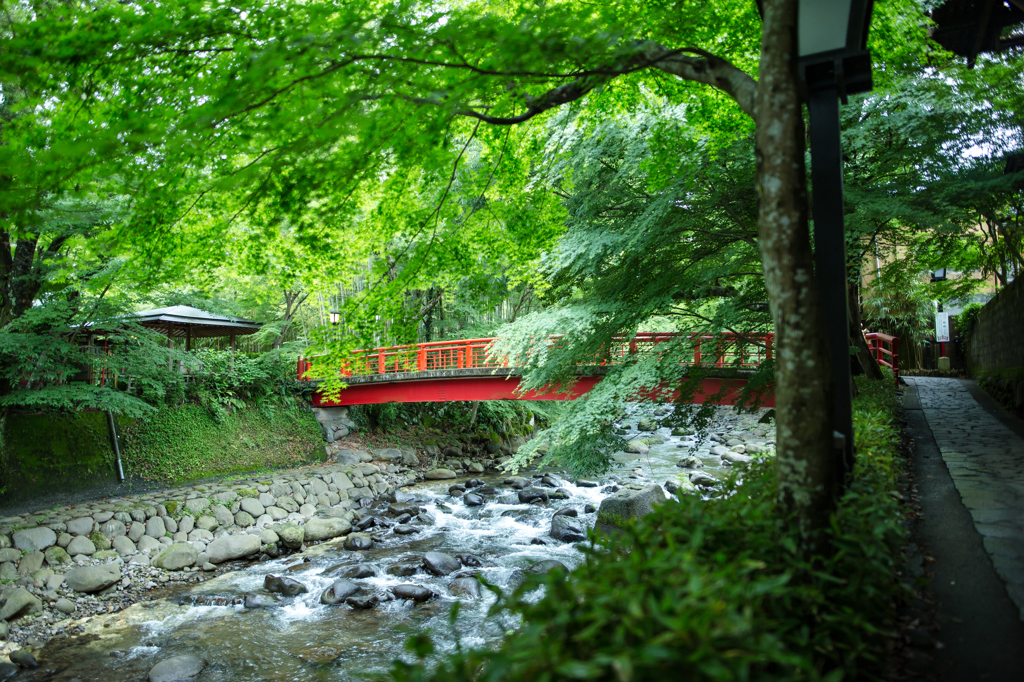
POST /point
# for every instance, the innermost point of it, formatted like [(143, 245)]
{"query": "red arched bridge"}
[(443, 371)]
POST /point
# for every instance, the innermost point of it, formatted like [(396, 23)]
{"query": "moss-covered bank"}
[(186, 443), (51, 457)]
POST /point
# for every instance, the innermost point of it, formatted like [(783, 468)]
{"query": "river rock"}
[(31, 562), (326, 528), (34, 539), (148, 544), (223, 516), (8, 670), (404, 570), (647, 425), (702, 479), (359, 571), (628, 504), (176, 557), (155, 527), (252, 507), (257, 601), (81, 545), (638, 447), (405, 529), (177, 669), (363, 601), (519, 576), (65, 606), (17, 601), (532, 495), (465, 587), (719, 450), (282, 585), (439, 474), (113, 529), (473, 500), (291, 535), (339, 591), (23, 658), (358, 542), (92, 578), (415, 592), (568, 511), (55, 556), (736, 458), (439, 563), (81, 526), (136, 531), (567, 529), (100, 541), (228, 547), (690, 462)]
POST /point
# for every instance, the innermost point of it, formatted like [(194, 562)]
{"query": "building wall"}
[(996, 348)]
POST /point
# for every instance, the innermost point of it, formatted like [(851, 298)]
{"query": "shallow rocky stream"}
[(300, 638)]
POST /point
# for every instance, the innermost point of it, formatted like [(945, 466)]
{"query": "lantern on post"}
[(335, 316)]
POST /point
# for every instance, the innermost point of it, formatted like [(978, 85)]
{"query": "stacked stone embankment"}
[(62, 565)]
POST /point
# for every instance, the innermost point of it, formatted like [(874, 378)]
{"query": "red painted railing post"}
[(469, 355), (421, 359), (768, 350), (381, 365), (632, 346), (896, 359), (696, 353)]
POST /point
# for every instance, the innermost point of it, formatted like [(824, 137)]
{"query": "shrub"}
[(716, 590)]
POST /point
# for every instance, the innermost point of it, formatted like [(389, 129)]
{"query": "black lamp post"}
[(834, 63)]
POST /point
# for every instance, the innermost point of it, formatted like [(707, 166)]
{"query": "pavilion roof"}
[(180, 320)]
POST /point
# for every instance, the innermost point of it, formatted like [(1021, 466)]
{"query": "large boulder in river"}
[(339, 591), (228, 547), (465, 587), (567, 529), (92, 578), (616, 510), (439, 474), (439, 563), (414, 592), (324, 529), (282, 585), (519, 576), (177, 669)]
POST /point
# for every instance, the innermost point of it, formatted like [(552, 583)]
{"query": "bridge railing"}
[(886, 350), (718, 350)]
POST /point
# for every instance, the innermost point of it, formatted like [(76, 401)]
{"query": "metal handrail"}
[(721, 350), (885, 356)]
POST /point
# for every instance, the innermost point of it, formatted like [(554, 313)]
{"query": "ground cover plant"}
[(717, 590)]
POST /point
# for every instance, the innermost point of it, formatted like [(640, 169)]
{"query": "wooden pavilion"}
[(186, 322)]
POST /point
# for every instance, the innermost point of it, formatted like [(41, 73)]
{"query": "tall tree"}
[(309, 105)]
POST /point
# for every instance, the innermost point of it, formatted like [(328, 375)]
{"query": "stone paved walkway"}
[(986, 461)]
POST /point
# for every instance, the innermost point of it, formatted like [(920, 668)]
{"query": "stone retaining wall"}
[(995, 349)]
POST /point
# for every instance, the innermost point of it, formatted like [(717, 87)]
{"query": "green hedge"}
[(717, 590), (188, 442)]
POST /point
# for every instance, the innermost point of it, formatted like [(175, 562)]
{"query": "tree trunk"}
[(867, 363), (806, 461)]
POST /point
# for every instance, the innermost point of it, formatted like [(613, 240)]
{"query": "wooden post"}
[(170, 346), (232, 352)]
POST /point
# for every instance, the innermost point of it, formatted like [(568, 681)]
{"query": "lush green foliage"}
[(184, 443), (718, 589)]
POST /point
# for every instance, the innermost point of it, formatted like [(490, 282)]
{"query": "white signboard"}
[(942, 327)]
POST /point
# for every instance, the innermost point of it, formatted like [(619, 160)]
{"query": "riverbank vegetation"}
[(719, 589)]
